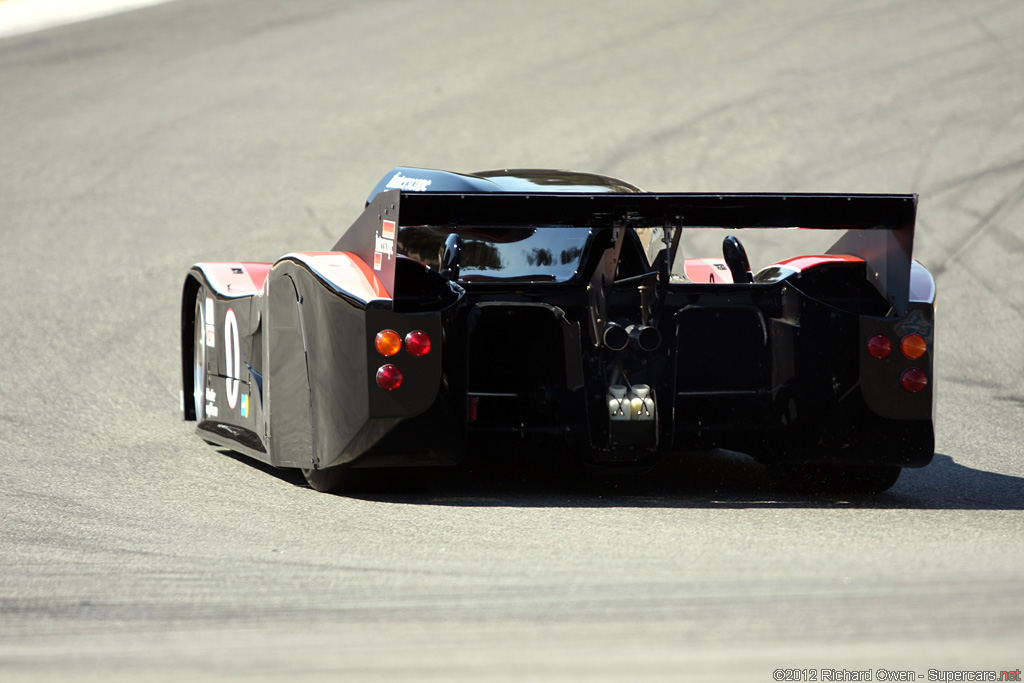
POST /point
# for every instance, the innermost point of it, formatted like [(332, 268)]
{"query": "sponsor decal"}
[(211, 410), (211, 395), (384, 244), (401, 182), (232, 357), (245, 405), (211, 334)]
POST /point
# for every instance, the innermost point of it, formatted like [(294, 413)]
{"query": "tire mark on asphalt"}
[(783, 97), (641, 145), (973, 18), (1009, 201), (959, 181)]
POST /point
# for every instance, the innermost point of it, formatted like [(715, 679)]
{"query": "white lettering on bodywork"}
[(401, 182), (232, 358)]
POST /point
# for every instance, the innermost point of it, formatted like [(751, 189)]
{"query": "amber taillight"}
[(913, 346)]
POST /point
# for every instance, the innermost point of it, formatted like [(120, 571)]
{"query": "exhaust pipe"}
[(644, 337), (615, 337)]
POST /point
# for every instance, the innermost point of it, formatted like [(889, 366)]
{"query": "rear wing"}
[(880, 228)]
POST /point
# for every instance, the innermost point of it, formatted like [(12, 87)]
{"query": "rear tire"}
[(328, 480), (827, 478), (369, 480)]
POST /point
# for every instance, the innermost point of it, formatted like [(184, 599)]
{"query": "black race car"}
[(556, 307)]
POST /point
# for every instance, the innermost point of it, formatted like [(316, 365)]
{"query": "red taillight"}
[(389, 377), (417, 343), (879, 346), (913, 380), (913, 346), (388, 342)]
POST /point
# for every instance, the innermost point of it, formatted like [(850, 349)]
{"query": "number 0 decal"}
[(232, 357)]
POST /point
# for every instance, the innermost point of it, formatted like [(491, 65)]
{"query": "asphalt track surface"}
[(137, 144)]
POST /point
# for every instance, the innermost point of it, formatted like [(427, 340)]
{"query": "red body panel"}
[(802, 263), (711, 270), (348, 271)]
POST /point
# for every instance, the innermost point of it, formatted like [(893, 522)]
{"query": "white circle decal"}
[(232, 357)]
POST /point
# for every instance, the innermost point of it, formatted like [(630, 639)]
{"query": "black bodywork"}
[(540, 290)]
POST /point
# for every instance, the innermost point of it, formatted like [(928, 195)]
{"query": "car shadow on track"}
[(715, 479)]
